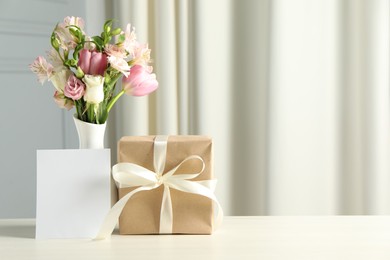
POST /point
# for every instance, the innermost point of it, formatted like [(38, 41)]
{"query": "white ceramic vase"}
[(91, 136)]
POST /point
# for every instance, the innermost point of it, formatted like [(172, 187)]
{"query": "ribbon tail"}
[(200, 189), (219, 216), (111, 218), (218, 219), (166, 213)]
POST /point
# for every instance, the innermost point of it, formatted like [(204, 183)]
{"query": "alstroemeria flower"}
[(73, 20), (74, 88), (115, 50), (55, 60), (92, 62), (120, 65), (60, 78), (42, 69), (66, 39), (94, 93), (130, 39), (140, 82), (62, 101), (141, 55)]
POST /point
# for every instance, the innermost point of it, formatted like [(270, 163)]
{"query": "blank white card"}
[(73, 192)]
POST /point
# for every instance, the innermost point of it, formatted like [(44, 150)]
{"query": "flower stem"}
[(114, 99)]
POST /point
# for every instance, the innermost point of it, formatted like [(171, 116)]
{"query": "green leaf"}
[(107, 78), (71, 63), (54, 41), (73, 26), (74, 32), (121, 38), (107, 39), (103, 116), (67, 63), (98, 41), (91, 113), (107, 26), (116, 31), (78, 48)]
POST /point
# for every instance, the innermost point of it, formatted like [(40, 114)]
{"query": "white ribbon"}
[(133, 175)]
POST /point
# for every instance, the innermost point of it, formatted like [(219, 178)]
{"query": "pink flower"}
[(141, 55), (120, 65), (62, 101), (42, 68), (74, 88), (115, 50), (92, 62), (140, 82), (66, 39), (72, 20), (130, 39)]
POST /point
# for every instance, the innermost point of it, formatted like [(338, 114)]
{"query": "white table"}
[(331, 237)]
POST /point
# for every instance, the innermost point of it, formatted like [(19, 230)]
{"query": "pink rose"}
[(62, 101), (140, 82), (92, 62), (74, 88)]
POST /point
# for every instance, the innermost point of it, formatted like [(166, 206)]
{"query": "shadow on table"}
[(18, 231)]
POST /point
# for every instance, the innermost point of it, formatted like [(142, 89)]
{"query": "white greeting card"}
[(73, 192)]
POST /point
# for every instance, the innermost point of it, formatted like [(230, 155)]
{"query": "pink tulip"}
[(92, 62), (140, 82)]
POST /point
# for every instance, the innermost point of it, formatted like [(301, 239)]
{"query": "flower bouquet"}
[(84, 70)]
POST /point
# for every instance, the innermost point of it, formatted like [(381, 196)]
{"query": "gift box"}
[(191, 213)]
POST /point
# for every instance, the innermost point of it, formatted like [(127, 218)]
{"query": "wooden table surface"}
[(327, 237)]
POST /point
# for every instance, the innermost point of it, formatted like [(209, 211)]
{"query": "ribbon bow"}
[(132, 175)]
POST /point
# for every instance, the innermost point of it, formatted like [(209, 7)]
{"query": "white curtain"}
[(294, 93)]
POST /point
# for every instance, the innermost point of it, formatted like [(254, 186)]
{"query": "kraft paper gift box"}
[(192, 213)]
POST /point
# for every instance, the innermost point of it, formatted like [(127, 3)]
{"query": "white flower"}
[(59, 79), (130, 39), (55, 60), (94, 93), (120, 65)]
